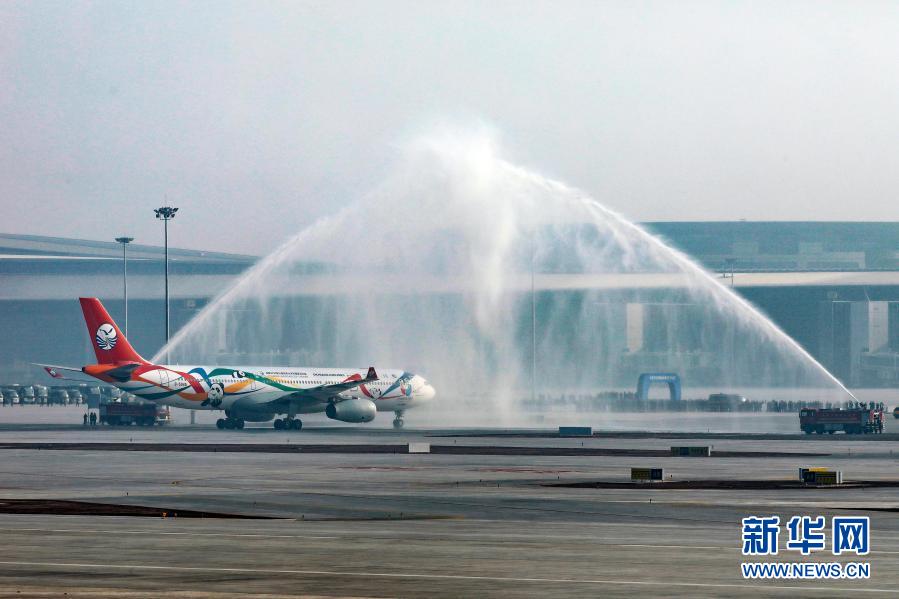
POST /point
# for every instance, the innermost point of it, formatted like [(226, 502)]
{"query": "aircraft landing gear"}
[(229, 423), (290, 424), (398, 421)]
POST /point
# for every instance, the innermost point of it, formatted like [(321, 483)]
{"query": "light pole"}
[(165, 214), (125, 241), (533, 321), (730, 268)]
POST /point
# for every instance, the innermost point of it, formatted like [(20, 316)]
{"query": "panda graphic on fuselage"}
[(214, 395)]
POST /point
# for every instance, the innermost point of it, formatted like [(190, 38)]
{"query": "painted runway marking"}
[(577, 581), (715, 547), (163, 532), (477, 537), (407, 535)]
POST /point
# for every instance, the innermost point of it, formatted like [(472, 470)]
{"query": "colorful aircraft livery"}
[(248, 393)]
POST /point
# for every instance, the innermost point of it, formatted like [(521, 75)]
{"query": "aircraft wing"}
[(326, 392)]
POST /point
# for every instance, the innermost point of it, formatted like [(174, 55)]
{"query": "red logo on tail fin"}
[(107, 339)]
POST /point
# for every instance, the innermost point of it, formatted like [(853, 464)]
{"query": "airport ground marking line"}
[(165, 532), (444, 576), (715, 547), (436, 499), (716, 525), (872, 554), (373, 535), (264, 536)]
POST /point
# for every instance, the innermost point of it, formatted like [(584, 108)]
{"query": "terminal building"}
[(834, 287)]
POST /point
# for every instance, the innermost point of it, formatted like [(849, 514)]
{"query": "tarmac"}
[(353, 522)]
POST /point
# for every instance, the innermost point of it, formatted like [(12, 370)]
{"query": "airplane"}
[(248, 393)]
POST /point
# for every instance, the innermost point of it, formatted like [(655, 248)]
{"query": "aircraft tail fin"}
[(108, 341)]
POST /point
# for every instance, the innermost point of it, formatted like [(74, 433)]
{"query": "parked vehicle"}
[(41, 393), (26, 394), (58, 396), (117, 413), (75, 396), (859, 418), (10, 396), (91, 396), (727, 402)]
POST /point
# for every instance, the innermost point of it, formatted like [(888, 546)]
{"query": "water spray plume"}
[(433, 270)]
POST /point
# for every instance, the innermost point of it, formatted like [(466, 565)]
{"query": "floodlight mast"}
[(165, 214), (125, 241)]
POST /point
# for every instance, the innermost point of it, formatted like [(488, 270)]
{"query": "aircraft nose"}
[(428, 392)]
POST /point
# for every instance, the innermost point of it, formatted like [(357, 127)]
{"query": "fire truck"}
[(118, 413), (856, 418)]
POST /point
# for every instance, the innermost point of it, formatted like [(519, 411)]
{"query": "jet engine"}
[(352, 410)]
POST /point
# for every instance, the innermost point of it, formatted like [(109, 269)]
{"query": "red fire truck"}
[(856, 419)]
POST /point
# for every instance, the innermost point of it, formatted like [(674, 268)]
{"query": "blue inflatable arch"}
[(647, 379)]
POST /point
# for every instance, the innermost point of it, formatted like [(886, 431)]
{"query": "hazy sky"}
[(256, 118)]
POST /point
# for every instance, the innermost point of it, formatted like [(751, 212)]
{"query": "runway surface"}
[(419, 525)]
